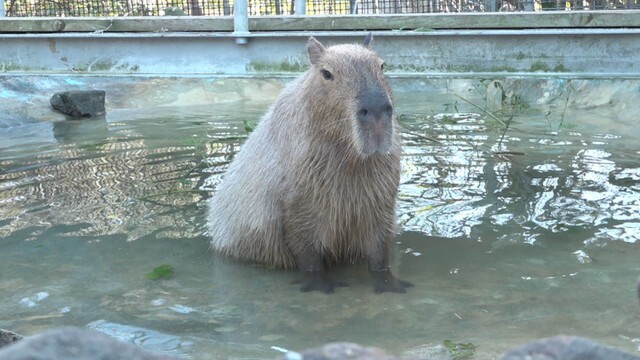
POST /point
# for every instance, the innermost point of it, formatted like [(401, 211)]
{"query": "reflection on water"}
[(507, 236), (538, 183)]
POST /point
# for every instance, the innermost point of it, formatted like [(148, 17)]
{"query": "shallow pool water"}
[(507, 235)]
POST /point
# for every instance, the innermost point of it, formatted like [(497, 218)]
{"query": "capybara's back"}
[(315, 183)]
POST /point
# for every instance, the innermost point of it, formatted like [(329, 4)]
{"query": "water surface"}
[(507, 235)]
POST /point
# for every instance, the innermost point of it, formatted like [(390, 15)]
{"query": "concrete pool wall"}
[(25, 99), (592, 43), (584, 59)]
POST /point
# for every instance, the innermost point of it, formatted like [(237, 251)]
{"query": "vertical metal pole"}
[(241, 21), (529, 5), (1, 8), (300, 6), (353, 7)]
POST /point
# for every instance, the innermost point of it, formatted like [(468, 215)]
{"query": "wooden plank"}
[(117, 24), (426, 22), (420, 22)]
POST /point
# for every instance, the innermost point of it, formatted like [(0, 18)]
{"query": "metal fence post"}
[(529, 5), (300, 5), (241, 21), (490, 6)]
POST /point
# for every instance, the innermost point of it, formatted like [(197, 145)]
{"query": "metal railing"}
[(101, 8)]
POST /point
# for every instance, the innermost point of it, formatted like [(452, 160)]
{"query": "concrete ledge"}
[(590, 52)]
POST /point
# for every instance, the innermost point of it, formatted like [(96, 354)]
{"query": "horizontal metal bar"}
[(289, 34)]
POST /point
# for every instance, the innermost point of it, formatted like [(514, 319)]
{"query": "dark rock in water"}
[(79, 104), (8, 337), (566, 348), (75, 344), (339, 351)]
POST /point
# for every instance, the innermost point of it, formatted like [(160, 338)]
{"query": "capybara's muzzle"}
[(375, 123)]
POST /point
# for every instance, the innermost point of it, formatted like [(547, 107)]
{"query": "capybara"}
[(315, 183)]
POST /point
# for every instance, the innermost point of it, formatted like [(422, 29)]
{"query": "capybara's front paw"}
[(384, 281), (318, 281)]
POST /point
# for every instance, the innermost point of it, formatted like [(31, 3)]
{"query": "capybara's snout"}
[(375, 122), (375, 107)]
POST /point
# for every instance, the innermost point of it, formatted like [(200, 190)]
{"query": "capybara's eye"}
[(327, 75)]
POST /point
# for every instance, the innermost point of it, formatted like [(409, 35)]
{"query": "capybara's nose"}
[(378, 109)]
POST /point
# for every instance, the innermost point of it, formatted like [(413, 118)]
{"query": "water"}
[(506, 238)]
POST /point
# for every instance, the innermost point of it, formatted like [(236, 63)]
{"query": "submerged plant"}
[(164, 271), (460, 351), (561, 123), (249, 126)]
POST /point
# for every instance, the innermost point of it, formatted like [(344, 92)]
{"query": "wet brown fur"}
[(308, 177)]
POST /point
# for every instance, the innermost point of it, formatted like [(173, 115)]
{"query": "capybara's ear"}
[(368, 40), (315, 50)]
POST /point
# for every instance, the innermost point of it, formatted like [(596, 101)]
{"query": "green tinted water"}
[(506, 238)]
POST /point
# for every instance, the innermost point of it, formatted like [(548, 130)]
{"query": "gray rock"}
[(75, 344), (566, 348), (340, 351), (8, 337), (79, 104)]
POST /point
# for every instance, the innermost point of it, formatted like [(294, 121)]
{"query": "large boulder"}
[(341, 351), (566, 348), (79, 104), (8, 337), (75, 344)]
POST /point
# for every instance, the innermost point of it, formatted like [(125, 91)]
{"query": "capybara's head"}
[(350, 95)]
